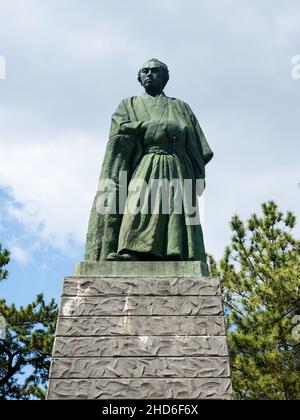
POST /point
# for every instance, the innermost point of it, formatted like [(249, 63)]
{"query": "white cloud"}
[(70, 62), (19, 254), (52, 183)]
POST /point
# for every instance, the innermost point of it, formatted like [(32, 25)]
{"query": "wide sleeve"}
[(197, 148), (122, 121), (207, 153), (123, 152)]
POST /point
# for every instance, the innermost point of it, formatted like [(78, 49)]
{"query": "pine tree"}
[(260, 277), (4, 260), (26, 342)]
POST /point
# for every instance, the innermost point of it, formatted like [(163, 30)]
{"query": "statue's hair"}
[(164, 68)]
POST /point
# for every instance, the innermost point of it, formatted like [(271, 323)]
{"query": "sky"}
[(65, 65)]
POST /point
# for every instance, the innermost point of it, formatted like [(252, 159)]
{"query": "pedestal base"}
[(123, 336)]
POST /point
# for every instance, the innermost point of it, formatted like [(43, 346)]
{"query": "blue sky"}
[(68, 65)]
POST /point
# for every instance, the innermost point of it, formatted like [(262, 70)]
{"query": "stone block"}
[(141, 305), (140, 346), (135, 325), (156, 388), (140, 367), (161, 286), (140, 330)]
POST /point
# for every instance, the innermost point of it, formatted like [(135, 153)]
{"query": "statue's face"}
[(152, 77)]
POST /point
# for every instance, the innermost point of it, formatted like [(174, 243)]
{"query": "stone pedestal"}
[(140, 330)]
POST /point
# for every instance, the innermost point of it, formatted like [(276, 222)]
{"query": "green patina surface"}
[(140, 269), (152, 137)]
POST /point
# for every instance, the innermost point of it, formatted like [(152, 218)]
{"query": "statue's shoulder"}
[(128, 102), (180, 103), (130, 98)]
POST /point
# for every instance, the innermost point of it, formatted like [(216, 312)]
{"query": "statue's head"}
[(153, 76)]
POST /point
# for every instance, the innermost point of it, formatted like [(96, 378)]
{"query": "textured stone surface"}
[(140, 269), (205, 286), (133, 325), (141, 337), (140, 346), (141, 305), (138, 367), (158, 388)]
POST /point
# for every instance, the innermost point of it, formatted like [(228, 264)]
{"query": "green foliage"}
[(260, 275), (4, 260), (27, 345)]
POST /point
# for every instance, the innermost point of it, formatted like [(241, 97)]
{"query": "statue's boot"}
[(114, 256)]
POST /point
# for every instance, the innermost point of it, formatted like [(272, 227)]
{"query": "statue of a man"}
[(155, 140)]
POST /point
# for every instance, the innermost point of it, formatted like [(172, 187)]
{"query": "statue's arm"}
[(122, 122)]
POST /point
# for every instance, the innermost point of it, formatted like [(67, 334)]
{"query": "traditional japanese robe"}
[(172, 147)]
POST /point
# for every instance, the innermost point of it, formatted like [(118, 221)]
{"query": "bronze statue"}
[(152, 138)]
